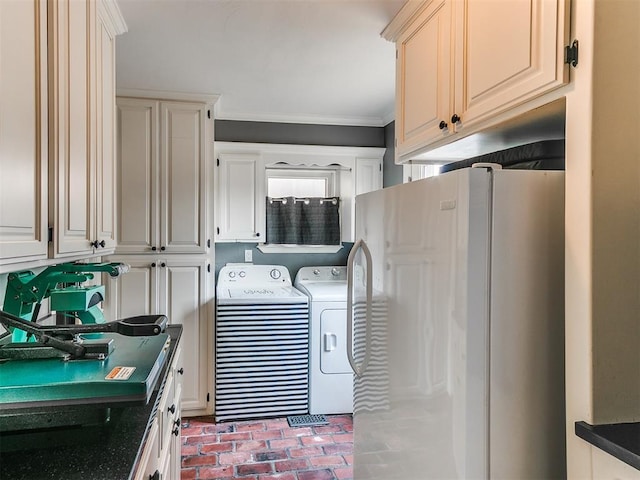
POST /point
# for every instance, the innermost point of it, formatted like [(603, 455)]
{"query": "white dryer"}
[(330, 375)]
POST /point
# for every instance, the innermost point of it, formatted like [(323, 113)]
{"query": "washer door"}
[(333, 341)]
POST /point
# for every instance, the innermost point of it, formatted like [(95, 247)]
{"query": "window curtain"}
[(303, 221)]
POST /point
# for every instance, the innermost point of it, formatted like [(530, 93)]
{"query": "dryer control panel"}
[(322, 274)]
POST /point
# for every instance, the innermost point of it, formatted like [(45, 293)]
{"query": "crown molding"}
[(167, 95), (399, 23), (111, 13), (304, 119)]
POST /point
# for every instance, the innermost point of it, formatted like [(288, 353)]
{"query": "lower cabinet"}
[(160, 458), (179, 288)]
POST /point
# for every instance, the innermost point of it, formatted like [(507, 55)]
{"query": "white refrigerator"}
[(459, 347)]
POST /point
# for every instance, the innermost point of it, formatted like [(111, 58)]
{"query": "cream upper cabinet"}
[(464, 65), (507, 53), (241, 197), (23, 131), (163, 176), (423, 79)]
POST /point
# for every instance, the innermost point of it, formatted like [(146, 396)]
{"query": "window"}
[(302, 207)]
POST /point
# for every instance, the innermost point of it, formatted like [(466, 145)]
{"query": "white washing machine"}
[(330, 375), (262, 344)]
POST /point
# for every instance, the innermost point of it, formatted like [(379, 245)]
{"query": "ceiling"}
[(297, 61)]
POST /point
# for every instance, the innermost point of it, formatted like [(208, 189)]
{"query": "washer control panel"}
[(249, 274)]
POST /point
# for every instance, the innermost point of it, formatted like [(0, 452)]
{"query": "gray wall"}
[(391, 173), (298, 134), (234, 253), (302, 134)]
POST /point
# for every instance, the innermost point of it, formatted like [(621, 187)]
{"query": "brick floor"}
[(267, 450)]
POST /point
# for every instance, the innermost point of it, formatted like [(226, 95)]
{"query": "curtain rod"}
[(332, 200)]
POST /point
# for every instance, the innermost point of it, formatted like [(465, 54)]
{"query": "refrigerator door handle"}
[(359, 369)]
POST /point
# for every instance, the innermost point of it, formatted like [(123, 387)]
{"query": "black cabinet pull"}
[(94, 244), (155, 476), (153, 265), (163, 248), (172, 408), (455, 118), (154, 248), (102, 243), (176, 431), (181, 371), (442, 125), (258, 234), (163, 264), (177, 422)]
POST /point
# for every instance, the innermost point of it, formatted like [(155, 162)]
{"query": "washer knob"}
[(275, 274)]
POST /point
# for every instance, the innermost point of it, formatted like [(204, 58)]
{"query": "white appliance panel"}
[(458, 339), (333, 342)]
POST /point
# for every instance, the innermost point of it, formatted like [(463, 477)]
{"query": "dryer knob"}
[(232, 274), (335, 272), (316, 272)]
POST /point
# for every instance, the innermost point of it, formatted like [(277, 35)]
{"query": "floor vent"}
[(307, 420)]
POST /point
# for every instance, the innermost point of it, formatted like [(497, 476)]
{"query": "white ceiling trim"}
[(209, 98), (220, 114)]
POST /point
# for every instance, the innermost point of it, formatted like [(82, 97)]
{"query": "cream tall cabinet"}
[(165, 175), (57, 103), (179, 287), (23, 131), (464, 65), (82, 79)]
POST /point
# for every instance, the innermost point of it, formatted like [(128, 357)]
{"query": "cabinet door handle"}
[(176, 431), (155, 476), (153, 265), (442, 125), (154, 248), (177, 422), (163, 264), (172, 408), (163, 249), (181, 371), (455, 118), (94, 244), (257, 234)]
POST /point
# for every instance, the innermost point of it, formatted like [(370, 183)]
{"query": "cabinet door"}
[(184, 178), (135, 292), (501, 64), (185, 286), (138, 175), (72, 37), (105, 132), (23, 131), (368, 175), (423, 79), (240, 197)]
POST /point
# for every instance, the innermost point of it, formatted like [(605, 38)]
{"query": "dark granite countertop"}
[(98, 453), (622, 440)]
